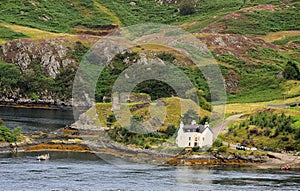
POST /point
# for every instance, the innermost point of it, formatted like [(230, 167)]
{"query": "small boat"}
[(43, 157), (286, 167)]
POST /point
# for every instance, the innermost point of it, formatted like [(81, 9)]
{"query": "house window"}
[(189, 144), (203, 138), (195, 144), (196, 138), (189, 138)]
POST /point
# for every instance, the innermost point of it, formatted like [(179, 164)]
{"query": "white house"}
[(194, 135)]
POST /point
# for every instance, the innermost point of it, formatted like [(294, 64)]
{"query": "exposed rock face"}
[(234, 44), (52, 55), (44, 59)]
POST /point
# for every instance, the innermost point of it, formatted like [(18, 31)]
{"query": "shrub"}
[(110, 119), (234, 133), (291, 71), (10, 135), (217, 143), (187, 7), (196, 149), (166, 57), (222, 149), (284, 138), (171, 130)]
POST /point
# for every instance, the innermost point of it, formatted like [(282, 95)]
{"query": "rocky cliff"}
[(46, 69)]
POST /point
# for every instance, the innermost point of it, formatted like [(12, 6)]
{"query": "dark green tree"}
[(110, 119), (189, 116), (171, 130), (9, 75), (291, 71), (204, 119)]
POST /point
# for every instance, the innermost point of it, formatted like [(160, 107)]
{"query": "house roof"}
[(194, 128)]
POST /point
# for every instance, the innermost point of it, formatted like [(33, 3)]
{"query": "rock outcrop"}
[(40, 62), (52, 55)]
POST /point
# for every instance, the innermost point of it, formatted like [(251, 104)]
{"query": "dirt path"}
[(224, 126), (276, 160)]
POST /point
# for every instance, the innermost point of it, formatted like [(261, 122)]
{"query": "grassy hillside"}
[(260, 36), (127, 132), (56, 16), (268, 130), (172, 111)]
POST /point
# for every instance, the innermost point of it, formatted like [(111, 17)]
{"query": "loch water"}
[(66, 171), (83, 171)]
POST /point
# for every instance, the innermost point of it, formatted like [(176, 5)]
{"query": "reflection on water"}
[(32, 120), (189, 176), (83, 171)]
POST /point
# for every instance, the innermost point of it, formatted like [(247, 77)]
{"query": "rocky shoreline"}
[(85, 136), (38, 104), (69, 140)]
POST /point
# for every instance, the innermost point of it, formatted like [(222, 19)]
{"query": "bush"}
[(291, 71), (196, 149), (222, 149), (110, 119), (284, 138), (8, 135), (217, 143), (187, 7), (171, 130)]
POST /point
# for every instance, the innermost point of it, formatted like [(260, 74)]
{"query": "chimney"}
[(206, 124)]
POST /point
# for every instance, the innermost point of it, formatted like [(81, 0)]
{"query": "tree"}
[(187, 7), (189, 116), (204, 120), (110, 119), (291, 71), (9, 75), (171, 129)]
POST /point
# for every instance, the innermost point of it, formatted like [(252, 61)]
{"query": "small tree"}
[(204, 119), (189, 116), (110, 119), (171, 129), (291, 71), (217, 143)]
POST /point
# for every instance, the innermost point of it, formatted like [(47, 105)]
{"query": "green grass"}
[(142, 12), (8, 34), (257, 87), (150, 11), (258, 79), (56, 16), (62, 16), (295, 39), (261, 22), (246, 133)]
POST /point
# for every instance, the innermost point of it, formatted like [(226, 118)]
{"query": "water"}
[(33, 120), (79, 171), (82, 171)]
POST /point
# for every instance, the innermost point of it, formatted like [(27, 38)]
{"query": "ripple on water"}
[(26, 173)]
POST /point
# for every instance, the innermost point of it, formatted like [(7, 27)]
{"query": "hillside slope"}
[(252, 41)]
